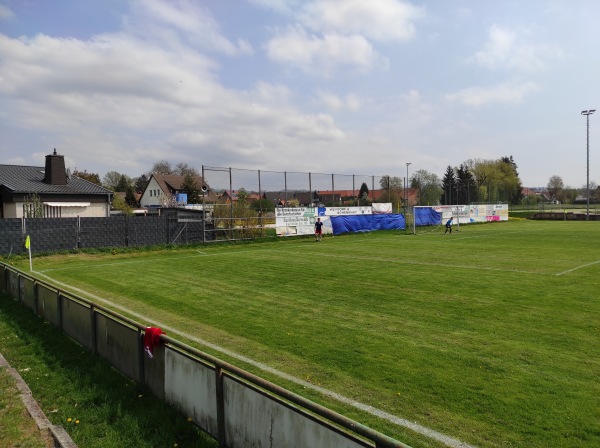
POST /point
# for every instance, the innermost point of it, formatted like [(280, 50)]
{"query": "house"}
[(163, 190), (50, 192), (228, 197), (232, 196)]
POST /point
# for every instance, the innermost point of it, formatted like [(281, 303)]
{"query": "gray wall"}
[(172, 226)]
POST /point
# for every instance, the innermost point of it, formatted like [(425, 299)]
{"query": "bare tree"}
[(183, 169), (555, 187), (162, 167), (428, 186)]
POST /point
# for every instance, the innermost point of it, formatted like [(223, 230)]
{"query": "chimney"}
[(55, 173)]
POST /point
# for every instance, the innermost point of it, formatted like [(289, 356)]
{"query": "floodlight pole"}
[(406, 192), (587, 114)]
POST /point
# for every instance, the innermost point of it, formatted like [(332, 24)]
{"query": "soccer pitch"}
[(489, 336)]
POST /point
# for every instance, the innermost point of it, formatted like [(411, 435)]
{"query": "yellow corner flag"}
[(28, 247)]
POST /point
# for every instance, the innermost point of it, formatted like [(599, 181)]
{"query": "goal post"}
[(426, 219), (431, 219)]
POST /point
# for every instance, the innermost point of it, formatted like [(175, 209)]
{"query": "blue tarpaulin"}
[(366, 223), (427, 217)]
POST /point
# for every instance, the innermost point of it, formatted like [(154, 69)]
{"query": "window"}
[(52, 212)]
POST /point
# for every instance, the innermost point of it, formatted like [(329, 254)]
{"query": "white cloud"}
[(183, 20), (350, 102), (381, 20), (119, 100), (506, 93), (322, 54), (512, 50)]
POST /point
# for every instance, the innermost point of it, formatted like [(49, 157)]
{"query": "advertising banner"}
[(301, 220)]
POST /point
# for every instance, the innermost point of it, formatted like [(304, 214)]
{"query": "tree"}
[(190, 187), (119, 203), (467, 189), (497, 180), (485, 173), (449, 187), (162, 167), (428, 187), (123, 184), (141, 183), (183, 169), (90, 177), (242, 196), (263, 204), (111, 180), (569, 194), (33, 207), (130, 198), (393, 187), (515, 191), (391, 183), (555, 187), (363, 195)]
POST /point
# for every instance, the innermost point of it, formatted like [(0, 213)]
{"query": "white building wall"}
[(152, 194), (91, 211), (94, 210)]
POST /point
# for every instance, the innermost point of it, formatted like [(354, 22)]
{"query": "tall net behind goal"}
[(428, 220)]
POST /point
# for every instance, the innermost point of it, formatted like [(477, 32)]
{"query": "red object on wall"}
[(151, 340)]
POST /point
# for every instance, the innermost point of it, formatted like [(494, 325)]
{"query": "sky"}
[(322, 86)]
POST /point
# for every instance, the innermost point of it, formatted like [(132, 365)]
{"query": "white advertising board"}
[(301, 220)]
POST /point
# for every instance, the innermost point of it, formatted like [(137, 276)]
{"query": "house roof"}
[(30, 179), (174, 182)]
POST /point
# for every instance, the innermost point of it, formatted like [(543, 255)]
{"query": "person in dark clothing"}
[(449, 225), (318, 229)]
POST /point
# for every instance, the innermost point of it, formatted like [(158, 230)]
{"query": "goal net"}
[(433, 219), (427, 220)]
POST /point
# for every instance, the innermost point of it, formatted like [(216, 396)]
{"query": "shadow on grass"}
[(97, 405)]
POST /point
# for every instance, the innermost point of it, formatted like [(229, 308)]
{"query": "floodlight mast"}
[(587, 114), (406, 192)]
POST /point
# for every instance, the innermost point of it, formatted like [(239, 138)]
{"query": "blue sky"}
[(347, 86)]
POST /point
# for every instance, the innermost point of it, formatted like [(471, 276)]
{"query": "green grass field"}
[(489, 336)]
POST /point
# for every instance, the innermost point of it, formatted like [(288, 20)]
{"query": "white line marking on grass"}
[(316, 254), (579, 267), (419, 263), (423, 430)]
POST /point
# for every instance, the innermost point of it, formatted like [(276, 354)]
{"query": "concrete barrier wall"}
[(13, 284), (47, 304), (154, 371), (119, 344), (191, 387), (76, 321), (237, 408), (3, 273), (250, 414), (28, 294)]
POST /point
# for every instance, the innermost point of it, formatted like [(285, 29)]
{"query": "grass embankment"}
[(95, 404), (489, 335), (17, 428)]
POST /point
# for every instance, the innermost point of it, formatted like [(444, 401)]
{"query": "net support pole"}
[(203, 209)]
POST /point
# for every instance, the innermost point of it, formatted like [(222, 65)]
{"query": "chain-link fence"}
[(240, 203)]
